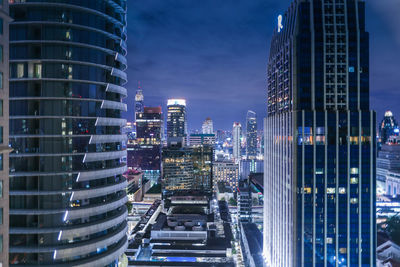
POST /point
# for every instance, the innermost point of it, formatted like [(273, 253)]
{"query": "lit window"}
[(351, 69), (38, 70), (353, 200), (354, 180), (343, 250), (329, 240), (20, 70), (307, 190), (330, 190), (342, 190), (319, 171), (353, 170)]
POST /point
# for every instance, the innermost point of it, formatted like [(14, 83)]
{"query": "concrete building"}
[(226, 171), (207, 127), (236, 141), (4, 130), (67, 76)]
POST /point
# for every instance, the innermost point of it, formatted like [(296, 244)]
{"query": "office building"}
[(207, 127), (139, 101), (4, 129), (149, 125), (251, 135), (226, 171), (203, 157), (187, 171), (248, 166), (236, 140), (388, 127), (202, 139), (144, 152), (388, 168), (320, 145), (177, 170), (67, 76), (245, 201), (176, 121)]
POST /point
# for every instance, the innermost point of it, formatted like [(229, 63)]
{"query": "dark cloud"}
[(214, 54)]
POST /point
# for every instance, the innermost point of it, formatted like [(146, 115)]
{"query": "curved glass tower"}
[(67, 194)]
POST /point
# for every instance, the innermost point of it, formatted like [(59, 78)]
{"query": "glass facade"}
[(251, 135), (320, 145), (67, 72)]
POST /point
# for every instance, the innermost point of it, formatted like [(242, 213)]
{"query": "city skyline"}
[(238, 43)]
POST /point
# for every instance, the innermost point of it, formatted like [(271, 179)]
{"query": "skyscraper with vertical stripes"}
[(67, 76), (320, 146)]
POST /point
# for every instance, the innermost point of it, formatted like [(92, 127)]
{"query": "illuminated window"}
[(307, 190), (319, 171), (354, 180), (342, 190), (38, 70), (330, 190), (354, 171), (329, 240), (343, 250), (353, 200), (20, 70)]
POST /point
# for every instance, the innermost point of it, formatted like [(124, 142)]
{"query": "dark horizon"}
[(209, 53)]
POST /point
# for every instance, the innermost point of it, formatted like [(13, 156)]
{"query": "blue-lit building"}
[(320, 146), (388, 127), (67, 76), (251, 135)]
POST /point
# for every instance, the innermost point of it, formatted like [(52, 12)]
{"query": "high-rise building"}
[(251, 135), (320, 145), (149, 126), (203, 157), (226, 171), (139, 101), (236, 140), (245, 201), (187, 170), (67, 192), (388, 127), (207, 126), (4, 129), (388, 168), (176, 121), (177, 170)]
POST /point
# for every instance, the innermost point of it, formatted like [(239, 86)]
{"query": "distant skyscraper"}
[(145, 152), (139, 101), (176, 121), (251, 135), (208, 126), (4, 130), (388, 127), (67, 76), (320, 139), (236, 142), (149, 126)]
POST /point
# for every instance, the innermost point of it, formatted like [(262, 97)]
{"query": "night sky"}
[(214, 53)]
